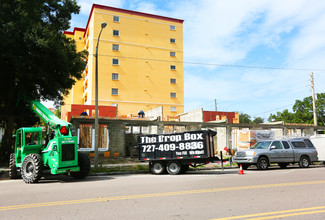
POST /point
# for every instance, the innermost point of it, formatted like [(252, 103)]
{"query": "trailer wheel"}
[(174, 168), (262, 163), (13, 172), (32, 168), (84, 164), (304, 162), (158, 168)]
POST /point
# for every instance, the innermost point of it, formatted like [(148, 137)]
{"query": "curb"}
[(4, 174)]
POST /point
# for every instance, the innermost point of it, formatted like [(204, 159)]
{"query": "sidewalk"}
[(4, 173), (102, 169)]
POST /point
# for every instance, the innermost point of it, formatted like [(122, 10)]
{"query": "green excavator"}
[(58, 152)]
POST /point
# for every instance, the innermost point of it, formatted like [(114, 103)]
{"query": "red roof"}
[(132, 13), (74, 30)]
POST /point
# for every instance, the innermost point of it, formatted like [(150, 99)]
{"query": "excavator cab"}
[(28, 140)]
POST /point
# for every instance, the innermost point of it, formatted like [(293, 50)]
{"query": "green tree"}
[(37, 60), (303, 111), (282, 116), (258, 120), (244, 118)]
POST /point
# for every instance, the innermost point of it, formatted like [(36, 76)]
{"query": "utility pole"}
[(215, 104), (314, 100)]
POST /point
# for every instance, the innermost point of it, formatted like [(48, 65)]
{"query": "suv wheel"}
[(304, 162), (262, 163)]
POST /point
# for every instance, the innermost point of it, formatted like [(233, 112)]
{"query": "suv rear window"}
[(299, 144), (308, 143)]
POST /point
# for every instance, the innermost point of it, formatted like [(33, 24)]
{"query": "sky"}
[(251, 56)]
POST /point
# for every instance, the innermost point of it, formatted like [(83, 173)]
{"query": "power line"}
[(214, 64), (273, 110), (220, 65)]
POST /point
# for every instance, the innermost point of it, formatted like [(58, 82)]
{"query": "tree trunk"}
[(7, 144)]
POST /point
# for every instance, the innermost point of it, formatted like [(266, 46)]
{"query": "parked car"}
[(283, 152)]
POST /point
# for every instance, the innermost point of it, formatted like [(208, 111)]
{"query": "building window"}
[(172, 67), (114, 76), (172, 95), (115, 61), (172, 40), (172, 54), (116, 33), (173, 109), (116, 47), (114, 91), (116, 19), (172, 27), (173, 81)]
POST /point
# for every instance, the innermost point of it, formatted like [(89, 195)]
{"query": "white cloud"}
[(226, 32)]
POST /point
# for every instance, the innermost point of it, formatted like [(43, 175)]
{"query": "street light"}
[(103, 25)]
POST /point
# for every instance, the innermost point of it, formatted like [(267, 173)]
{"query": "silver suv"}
[(283, 152)]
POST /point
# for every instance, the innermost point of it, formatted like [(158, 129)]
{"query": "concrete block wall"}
[(123, 143)]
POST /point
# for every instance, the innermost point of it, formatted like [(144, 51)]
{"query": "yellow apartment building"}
[(140, 62)]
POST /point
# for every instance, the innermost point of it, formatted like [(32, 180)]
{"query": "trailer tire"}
[(174, 168), (304, 162), (32, 168), (158, 168), (84, 164), (13, 172), (262, 163)]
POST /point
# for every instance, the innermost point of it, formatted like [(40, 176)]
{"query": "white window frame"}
[(172, 67), (115, 47), (172, 40), (115, 76), (172, 54), (115, 64), (118, 33), (172, 27), (136, 129), (114, 90), (173, 108), (173, 95), (106, 148), (116, 18), (172, 81)]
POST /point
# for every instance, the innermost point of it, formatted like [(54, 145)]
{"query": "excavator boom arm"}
[(46, 115)]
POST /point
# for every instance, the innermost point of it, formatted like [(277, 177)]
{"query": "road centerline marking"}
[(152, 195), (278, 214)]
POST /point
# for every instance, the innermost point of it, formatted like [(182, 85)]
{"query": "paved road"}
[(292, 193)]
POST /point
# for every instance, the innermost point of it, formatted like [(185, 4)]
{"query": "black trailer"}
[(175, 152)]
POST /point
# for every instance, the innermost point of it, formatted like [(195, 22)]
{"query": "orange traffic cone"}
[(241, 172)]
